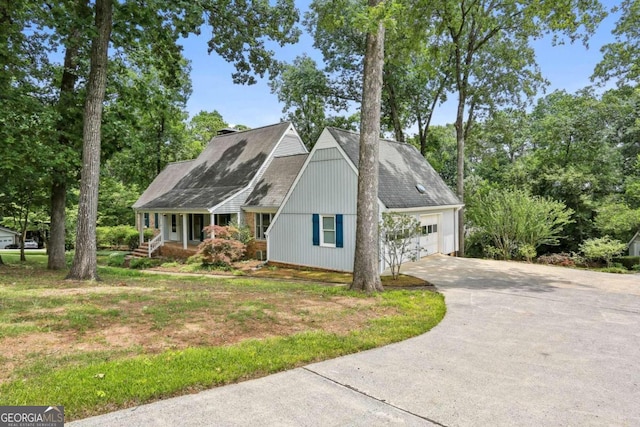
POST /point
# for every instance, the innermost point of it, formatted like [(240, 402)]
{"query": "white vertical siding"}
[(449, 228), (290, 145), (327, 186), (233, 204)]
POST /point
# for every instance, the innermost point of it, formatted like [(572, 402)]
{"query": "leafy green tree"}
[(621, 58), (114, 202), (491, 58), (201, 128), (618, 220), (603, 248), (514, 221), (304, 91)]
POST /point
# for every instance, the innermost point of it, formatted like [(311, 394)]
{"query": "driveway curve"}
[(521, 345)]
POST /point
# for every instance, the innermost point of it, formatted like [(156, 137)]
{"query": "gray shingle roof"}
[(402, 167), (225, 166), (276, 181)]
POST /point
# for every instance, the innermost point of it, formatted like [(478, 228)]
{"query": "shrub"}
[(241, 233), (604, 248), (562, 259), (119, 236), (398, 232), (116, 259), (629, 262), (636, 267), (142, 263), (527, 252), (223, 249), (513, 219)]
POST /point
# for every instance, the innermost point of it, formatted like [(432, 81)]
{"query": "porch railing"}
[(155, 243)]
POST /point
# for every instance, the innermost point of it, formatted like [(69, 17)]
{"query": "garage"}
[(429, 235), (7, 237)]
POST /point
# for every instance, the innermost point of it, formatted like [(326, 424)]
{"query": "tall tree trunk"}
[(366, 275), (66, 102), (460, 169), (57, 232), (84, 262)]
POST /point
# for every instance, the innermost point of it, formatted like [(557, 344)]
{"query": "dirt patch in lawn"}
[(145, 316), (253, 268)]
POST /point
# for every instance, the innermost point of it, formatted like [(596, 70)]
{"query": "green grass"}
[(34, 300), (98, 386)]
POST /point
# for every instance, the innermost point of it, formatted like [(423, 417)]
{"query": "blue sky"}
[(566, 66)]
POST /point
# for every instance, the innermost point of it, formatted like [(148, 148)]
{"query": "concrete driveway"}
[(521, 345)]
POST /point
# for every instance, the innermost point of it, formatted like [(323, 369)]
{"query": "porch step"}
[(141, 251)]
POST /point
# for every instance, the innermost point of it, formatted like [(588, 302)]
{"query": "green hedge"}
[(628, 261), (119, 236)]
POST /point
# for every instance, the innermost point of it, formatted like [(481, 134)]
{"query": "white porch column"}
[(162, 219), (141, 226), (213, 222), (185, 234)]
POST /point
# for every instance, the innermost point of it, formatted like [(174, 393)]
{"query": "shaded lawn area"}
[(246, 268), (133, 337)]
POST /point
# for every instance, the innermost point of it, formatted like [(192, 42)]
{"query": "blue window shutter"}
[(339, 242), (156, 223), (316, 230)]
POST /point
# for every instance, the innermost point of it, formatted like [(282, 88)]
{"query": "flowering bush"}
[(223, 248)]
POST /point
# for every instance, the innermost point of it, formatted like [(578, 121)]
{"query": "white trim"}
[(322, 230), (260, 209), (164, 211), (425, 209), (255, 225)]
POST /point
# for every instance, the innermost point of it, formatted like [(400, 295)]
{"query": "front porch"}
[(178, 231)]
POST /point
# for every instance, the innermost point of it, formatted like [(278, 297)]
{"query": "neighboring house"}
[(634, 245), (8, 237), (234, 179), (315, 224)]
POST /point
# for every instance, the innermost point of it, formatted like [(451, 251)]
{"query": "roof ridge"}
[(180, 161), (290, 155), (252, 129), (358, 134)]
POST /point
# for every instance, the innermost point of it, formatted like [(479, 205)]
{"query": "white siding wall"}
[(449, 228), (327, 186), (290, 145), (6, 238), (233, 205), (634, 248)]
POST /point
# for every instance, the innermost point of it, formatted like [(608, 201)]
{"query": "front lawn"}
[(134, 338)]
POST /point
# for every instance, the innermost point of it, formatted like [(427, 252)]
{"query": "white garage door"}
[(429, 235)]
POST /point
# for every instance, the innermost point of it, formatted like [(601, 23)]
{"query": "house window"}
[(263, 220), (223, 219), (428, 229), (146, 220), (174, 223), (327, 230), (156, 222)]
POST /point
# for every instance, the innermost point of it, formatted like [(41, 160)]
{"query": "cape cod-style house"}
[(300, 206)]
